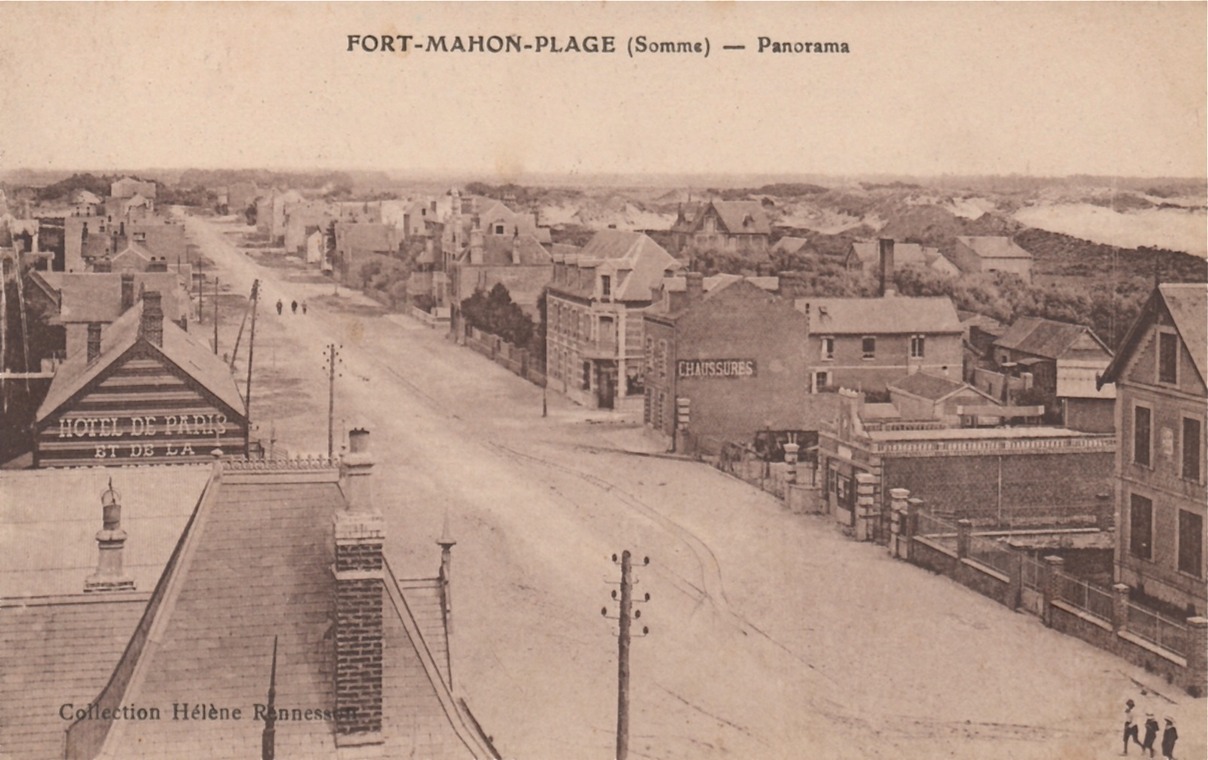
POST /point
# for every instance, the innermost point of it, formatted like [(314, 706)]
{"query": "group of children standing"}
[(1133, 726)]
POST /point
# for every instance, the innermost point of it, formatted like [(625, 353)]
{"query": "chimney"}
[(886, 266), (151, 326), (158, 265), (359, 535), (102, 265), (516, 246), (94, 341), (127, 291), (110, 539), (694, 285), (476, 244)]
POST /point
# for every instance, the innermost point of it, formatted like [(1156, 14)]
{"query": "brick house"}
[(275, 575), (866, 343), (991, 253), (1161, 466), (735, 355), (594, 344), (741, 226), (1064, 360)]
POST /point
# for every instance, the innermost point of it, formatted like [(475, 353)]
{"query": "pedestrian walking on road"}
[(304, 308), (1169, 737), (280, 306), (293, 306), (1130, 725), (1151, 733)]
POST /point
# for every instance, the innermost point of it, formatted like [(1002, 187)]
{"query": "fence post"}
[(1197, 656), (964, 537), (790, 458), (914, 505), (1052, 573), (899, 532), (866, 486), (1015, 580), (1119, 607)]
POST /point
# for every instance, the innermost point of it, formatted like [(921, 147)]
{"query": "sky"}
[(949, 88)]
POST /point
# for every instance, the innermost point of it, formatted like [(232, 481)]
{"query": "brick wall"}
[(358, 635)]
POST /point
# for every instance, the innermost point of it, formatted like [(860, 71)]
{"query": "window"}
[(1141, 435), (1140, 523), (870, 347), (605, 286), (821, 381), (917, 346), (828, 347), (1191, 543), (1193, 453), (1168, 357), (499, 229)]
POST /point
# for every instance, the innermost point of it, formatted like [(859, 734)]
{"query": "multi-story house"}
[(594, 344), (1161, 406), (741, 226), (867, 343)]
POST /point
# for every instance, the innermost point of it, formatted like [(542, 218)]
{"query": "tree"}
[(494, 312)]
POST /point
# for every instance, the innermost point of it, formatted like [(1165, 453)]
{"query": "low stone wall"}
[(518, 361)]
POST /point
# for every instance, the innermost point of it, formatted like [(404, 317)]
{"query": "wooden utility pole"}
[(626, 615), (216, 316), (332, 355), (623, 658), (251, 350)]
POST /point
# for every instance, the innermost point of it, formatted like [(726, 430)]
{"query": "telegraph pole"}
[(215, 316), (626, 615), (333, 355)]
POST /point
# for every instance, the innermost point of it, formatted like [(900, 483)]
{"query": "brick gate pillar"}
[(866, 489), (1119, 607), (1052, 567), (1197, 656), (899, 535)]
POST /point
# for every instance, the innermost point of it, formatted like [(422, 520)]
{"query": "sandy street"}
[(771, 635)]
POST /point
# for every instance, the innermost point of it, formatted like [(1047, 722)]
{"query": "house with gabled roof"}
[(977, 254), (1160, 373), (275, 625), (866, 343), (143, 391), (865, 257), (924, 396), (128, 187), (741, 226), (594, 339), (1063, 360)]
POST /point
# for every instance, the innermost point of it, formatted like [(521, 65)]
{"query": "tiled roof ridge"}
[(468, 731), (49, 600), (131, 669)]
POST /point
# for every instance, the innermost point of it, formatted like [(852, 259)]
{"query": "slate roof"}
[(994, 247), (55, 651), (880, 316), (1044, 337), (497, 251), (637, 262), (743, 217), (50, 518), (366, 236), (254, 563), (97, 296), (194, 358), (789, 245), (1187, 304)]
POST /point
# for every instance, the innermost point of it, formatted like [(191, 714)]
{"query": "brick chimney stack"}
[(151, 326), (886, 245), (127, 290), (694, 285), (94, 341), (110, 540), (359, 574)]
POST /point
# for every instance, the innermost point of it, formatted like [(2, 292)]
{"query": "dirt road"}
[(772, 636)]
